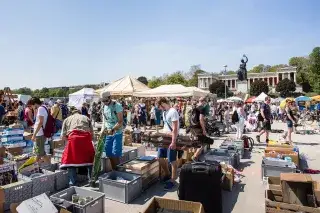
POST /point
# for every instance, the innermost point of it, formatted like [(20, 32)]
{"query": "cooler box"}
[(221, 155)]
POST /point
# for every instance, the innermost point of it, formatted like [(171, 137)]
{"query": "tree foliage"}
[(302, 64), (193, 82), (219, 88), (286, 87), (143, 80), (155, 82), (176, 78), (257, 87), (314, 74)]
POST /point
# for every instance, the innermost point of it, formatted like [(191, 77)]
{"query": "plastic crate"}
[(240, 146), (105, 165), (119, 191), (94, 206), (274, 167), (17, 192), (220, 155), (132, 152), (62, 177), (42, 184)]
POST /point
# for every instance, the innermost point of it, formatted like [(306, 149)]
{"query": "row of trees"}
[(51, 92)]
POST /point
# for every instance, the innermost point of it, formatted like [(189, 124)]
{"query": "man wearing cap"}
[(77, 131), (112, 119), (56, 113)]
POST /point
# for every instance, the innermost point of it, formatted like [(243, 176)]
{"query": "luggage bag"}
[(201, 182)]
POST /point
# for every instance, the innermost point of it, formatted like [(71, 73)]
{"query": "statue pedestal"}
[(242, 86)]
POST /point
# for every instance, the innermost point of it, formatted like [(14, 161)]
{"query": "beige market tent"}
[(125, 87), (175, 90)]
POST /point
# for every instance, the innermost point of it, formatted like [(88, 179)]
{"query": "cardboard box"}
[(279, 150), (177, 205), (298, 189), (58, 143), (27, 136), (293, 155), (38, 204), (15, 151)]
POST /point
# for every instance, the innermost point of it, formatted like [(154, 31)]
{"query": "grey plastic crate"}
[(105, 165), (240, 146), (273, 168), (119, 191), (220, 155), (132, 152), (94, 206), (42, 184), (17, 192), (61, 178)]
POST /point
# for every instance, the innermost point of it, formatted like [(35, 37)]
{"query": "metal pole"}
[(225, 82)]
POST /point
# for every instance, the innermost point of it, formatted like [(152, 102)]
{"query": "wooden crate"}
[(274, 206)]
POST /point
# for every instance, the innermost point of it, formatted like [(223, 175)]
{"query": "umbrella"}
[(303, 98), (284, 102), (316, 98), (234, 99), (221, 101), (250, 100)]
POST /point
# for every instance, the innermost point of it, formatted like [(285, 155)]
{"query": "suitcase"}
[(221, 155), (273, 167), (201, 182)]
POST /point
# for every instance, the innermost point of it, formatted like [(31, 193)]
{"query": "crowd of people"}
[(77, 125)]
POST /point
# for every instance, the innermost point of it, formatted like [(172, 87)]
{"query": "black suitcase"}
[(201, 182)]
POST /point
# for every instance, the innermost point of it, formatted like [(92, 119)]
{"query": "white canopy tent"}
[(84, 95), (125, 86), (199, 92), (234, 99), (175, 90), (261, 97)]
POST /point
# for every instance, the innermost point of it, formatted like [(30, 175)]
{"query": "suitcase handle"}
[(199, 169)]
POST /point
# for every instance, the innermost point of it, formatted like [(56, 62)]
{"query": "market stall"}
[(175, 90), (261, 97), (125, 86), (84, 95)]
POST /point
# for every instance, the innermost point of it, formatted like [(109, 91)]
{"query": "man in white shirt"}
[(41, 119), (171, 126)]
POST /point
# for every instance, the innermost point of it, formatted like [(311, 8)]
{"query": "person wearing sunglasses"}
[(112, 120)]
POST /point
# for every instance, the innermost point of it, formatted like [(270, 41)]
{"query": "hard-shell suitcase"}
[(201, 182)]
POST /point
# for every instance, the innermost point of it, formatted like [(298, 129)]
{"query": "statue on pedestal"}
[(242, 72)]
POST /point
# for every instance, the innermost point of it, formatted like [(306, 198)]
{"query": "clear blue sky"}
[(68, 42)]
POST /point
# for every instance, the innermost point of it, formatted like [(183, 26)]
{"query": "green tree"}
[(143, 80), (286, 87), (176, 78), (302, 64), (44, 93), (276, 67), (231, 72), (219, 88), (257, 69), (155, 82), (315, 69), (257, 87), (23, 91), (193, 82)]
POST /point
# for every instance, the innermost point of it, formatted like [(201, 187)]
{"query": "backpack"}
[(194, 118), (50, 128), (21, 115), (235, 117)]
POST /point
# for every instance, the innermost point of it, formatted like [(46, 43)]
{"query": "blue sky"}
[(69, 42)]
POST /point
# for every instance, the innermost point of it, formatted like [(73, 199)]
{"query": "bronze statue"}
[(242, 72)]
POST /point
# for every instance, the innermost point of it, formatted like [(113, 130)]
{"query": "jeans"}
[(72, 173), (58, 125)]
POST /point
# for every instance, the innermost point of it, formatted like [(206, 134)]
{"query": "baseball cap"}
[(105, 95)]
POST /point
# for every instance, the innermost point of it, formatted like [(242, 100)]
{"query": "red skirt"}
[(79, 151)]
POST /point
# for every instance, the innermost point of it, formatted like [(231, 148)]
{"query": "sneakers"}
[(169, 186), (258, 138)]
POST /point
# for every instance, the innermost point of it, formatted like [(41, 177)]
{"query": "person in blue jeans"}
[(171, 127), (112, 121)]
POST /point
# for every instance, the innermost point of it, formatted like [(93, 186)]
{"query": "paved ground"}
[(249, 194)]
